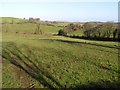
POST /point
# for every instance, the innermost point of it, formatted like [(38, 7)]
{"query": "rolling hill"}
[(51, 61)]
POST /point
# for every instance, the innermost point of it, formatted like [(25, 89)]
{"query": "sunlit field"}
[(51, 61)]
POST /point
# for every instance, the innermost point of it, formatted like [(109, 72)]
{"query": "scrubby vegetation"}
[(95, 31), (62, 32), (105, 30)]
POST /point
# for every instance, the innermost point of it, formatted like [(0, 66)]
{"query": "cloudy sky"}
[(61, 10)]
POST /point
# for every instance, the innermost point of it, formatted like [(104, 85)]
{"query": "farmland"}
[(51, 61)]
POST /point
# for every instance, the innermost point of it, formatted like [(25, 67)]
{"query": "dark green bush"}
[(62, 32)]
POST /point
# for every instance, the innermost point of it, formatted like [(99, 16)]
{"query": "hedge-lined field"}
[(37, 61)]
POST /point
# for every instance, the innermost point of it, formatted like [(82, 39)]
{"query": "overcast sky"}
[(62, 10)]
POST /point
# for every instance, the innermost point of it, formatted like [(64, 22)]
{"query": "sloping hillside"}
[(11, 20)]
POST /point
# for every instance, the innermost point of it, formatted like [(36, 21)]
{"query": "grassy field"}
[(48, 61), (11, 20)]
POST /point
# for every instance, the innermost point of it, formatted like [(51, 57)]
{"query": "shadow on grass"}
[(86, 43), (98, 65), (28, 64), (90, 44), (98, 85), (16, 57), (95, 38)]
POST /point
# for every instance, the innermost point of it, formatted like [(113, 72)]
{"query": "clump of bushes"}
[(69, 29), (62, 32), (103, 30), (72, 27)]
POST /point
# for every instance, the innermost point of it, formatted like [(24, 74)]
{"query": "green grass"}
[(78, 33), (11, 19), (61, 24), (69, 63), (54, 61), (28, 28)]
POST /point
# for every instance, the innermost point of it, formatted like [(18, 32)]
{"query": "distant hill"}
[(11, 20)]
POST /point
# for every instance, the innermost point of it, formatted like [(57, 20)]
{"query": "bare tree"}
[(88, 28)]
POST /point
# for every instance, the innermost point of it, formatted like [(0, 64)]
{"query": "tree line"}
[(92, 30), (103, 30)]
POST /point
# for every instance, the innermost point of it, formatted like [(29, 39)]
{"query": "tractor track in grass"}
[(25, 81)]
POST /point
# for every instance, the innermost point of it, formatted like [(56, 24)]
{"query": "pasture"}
[(51, 61)]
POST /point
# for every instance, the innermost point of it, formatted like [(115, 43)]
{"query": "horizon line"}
[(27, 18)]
